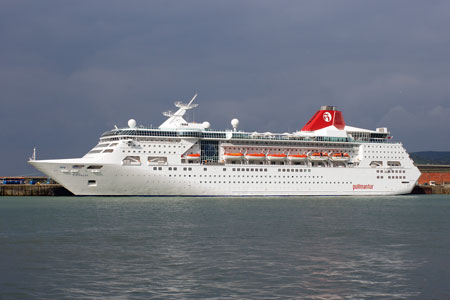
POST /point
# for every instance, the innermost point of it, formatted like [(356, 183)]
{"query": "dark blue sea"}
[(225, 248)]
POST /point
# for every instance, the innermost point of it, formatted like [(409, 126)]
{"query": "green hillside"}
[(431, 157)]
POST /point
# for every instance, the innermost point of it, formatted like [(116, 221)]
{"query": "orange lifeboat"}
[(193, 156), (276, 157), (230, 156), (255, 156), (340, 156), (297, 157), (319, 156)]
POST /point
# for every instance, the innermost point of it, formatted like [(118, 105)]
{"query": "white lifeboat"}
[(255, 156), (318, 156), (193, 156), (340, 157), (297, 157), (230, 156), (276, 157)]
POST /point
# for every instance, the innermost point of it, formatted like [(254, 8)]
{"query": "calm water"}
[(225, 248)]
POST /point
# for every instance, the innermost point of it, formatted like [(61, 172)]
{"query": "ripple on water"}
[(286, 248)]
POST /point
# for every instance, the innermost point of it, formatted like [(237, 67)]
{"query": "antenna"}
[(33, 157), (180, 104), (168, 113)]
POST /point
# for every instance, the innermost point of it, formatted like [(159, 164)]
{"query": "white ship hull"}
[(156, 161), (143, 181)]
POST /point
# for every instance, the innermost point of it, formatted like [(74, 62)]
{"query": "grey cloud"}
[(71, 70)]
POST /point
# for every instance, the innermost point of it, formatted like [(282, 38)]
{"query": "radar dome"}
[(235, 123), (206, 124), (132, 123)]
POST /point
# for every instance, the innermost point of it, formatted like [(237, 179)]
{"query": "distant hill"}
[(431, 157)]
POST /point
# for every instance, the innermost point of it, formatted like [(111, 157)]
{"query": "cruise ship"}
[(181, 158)]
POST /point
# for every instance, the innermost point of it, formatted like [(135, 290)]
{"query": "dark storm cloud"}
[(70, 70)]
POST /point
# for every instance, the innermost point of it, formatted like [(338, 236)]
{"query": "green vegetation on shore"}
[(431, 157)]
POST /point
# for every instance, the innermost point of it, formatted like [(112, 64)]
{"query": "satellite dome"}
[(206, 124), (235, 123), (132, 123)]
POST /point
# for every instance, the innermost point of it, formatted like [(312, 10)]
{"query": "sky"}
[(71, 70)]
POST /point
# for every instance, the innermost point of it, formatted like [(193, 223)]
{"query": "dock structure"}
[(33, 190), (435, 179), (31, 186)]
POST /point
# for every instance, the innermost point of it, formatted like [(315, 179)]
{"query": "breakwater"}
[(33, 190), (431, 189)]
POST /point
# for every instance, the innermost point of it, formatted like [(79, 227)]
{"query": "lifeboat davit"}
[(229, 156), (193, 156), (297, 157), (319, 156), (276, 157), (255, 156), (340, 157)]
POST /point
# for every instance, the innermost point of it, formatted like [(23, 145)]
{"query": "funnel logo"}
[(327, 116)]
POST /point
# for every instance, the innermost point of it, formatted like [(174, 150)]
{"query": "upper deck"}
[(327, 125), (227, 135)]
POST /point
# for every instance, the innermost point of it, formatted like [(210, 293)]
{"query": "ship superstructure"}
[(325, 157)]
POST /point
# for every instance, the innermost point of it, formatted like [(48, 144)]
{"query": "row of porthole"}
[(280, 182), (391, 171), (243, 176), (159, 152)]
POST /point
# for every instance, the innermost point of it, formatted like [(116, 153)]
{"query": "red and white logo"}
[(327, 116)]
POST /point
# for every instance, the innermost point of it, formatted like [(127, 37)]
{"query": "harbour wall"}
[(33, 190)]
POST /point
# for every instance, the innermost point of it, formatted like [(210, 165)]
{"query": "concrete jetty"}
[(33, 190)]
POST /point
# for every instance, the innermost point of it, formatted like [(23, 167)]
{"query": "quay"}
[(31, 186), (435, 179)]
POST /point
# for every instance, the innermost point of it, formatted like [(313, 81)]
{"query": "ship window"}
[(94, 167), (101, 145), (190, 169), (224, 169), (393, 163), (374, 164), (131, 161), (156, 160), (205, 169), (92, 183), (108, 151), (94, 151)]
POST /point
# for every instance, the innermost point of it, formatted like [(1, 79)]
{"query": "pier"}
[(435, 179), (31, 186)]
